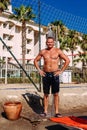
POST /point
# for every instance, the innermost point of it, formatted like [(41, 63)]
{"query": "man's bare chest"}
[(51, 56)]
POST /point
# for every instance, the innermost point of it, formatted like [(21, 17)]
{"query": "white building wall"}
[(12, 28)]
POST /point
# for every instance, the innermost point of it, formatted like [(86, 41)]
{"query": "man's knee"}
[(46, 95), (55, 94)]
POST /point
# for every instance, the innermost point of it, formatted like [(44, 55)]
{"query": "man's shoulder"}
[(42, 51), (57, 49)]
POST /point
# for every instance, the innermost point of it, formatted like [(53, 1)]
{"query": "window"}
[(29, 30), (9, 47), (9, 58), (4, 25), (0, 23), (10, 37), (29, 41), (28, 51), (10, 26), (17, 29), (28, 61), (7, 37), (4, 36), (3, 47)]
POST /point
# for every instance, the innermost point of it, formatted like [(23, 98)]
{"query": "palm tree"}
[(83, 56), (23, 14), (4, 5), (72, 42), (60, 31), (84, 48)]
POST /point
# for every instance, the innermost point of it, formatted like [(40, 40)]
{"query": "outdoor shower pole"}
[(6, 63), (39, 40)]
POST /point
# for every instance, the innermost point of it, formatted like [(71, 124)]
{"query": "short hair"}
[(50, 38)]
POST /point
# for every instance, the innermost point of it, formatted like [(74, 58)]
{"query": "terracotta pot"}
[(12, 110)]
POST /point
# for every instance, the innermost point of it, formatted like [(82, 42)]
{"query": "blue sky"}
[(72, 13), (75, 7)]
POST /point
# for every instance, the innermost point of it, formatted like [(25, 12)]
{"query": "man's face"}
[(50, 43)]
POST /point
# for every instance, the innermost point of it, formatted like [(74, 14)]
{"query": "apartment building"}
[(10, 32)]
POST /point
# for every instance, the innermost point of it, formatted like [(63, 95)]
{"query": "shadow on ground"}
[(35, 101), (60, 127), (56, 127), (3, 114), (83, 117)]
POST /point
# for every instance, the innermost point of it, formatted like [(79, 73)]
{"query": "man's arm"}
[(36, 60), (66, 62)]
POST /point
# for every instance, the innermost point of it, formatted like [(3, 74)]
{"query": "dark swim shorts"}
[(50, 81)]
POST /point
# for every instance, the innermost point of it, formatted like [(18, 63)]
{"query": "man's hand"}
[(42, 73), (58, 72)]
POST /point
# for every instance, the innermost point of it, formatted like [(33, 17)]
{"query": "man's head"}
[(50, 42)]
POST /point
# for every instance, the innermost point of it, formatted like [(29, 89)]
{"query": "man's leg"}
[(46, 98), (56, 103)]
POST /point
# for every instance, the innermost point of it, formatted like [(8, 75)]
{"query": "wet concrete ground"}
[(32, 105)]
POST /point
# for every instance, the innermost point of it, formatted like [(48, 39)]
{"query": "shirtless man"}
[(50, 72)]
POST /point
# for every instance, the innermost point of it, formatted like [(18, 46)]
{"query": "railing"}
[(19, 64)]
